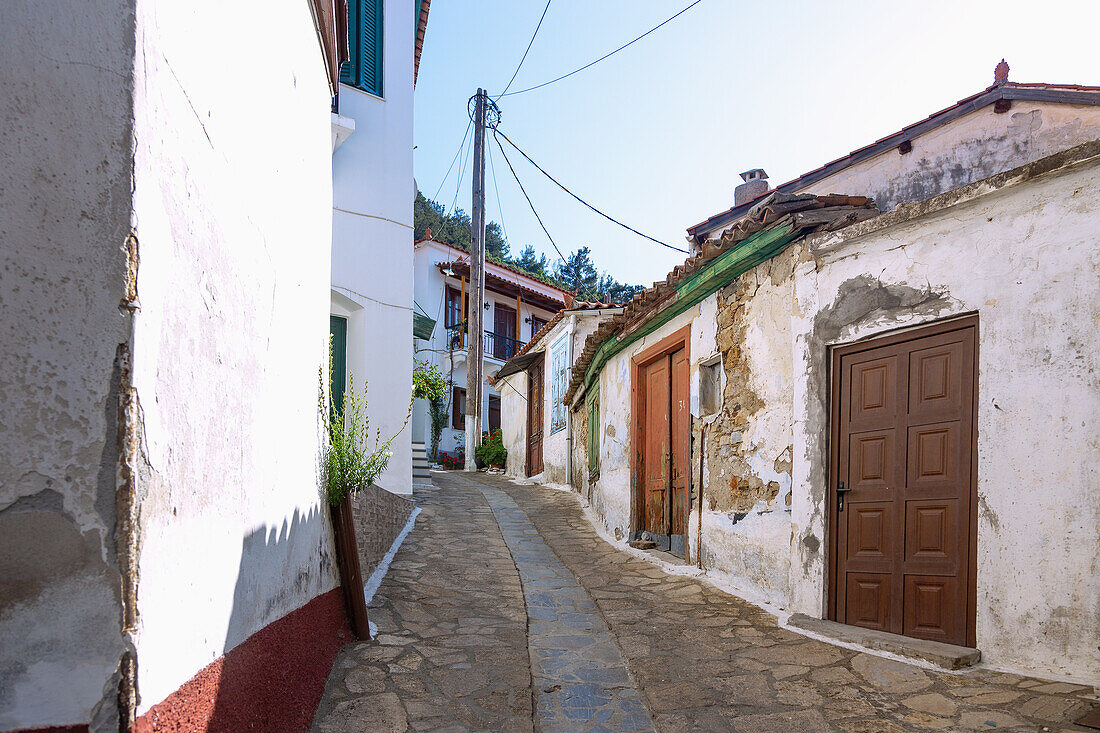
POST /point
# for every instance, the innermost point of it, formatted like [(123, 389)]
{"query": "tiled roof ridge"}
[(804, 212), (697, 229), (578, 305), (510, 268)]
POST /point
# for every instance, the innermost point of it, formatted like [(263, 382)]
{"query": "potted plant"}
[(491, 452), (349, 466)]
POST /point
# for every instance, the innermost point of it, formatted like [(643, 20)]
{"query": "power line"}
[(521, 188), (520, 66), (578, 198), (496, 189), (452, 165), (601, 58), (461, 173)]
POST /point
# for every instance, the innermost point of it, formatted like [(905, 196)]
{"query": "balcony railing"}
[(497, 345)]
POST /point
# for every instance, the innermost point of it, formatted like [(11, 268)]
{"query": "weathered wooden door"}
[(657, 452), (663, 432), (534, 418), (903, 483)]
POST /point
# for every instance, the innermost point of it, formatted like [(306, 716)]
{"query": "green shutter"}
[(338, 375), (364, 70), (594, 433)]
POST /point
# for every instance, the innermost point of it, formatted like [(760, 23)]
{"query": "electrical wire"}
[(520, 66), (601, 58), (461, 173), (496, 189), (452, 165), (521, 188), (578, 198)]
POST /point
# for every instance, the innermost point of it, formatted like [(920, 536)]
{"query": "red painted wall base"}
[(272, 682)]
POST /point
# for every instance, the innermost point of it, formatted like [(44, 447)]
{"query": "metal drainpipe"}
[(699, 528), (569, 412)]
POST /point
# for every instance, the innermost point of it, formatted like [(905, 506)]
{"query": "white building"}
[(887, 407), (372, 218), (164, 286), (516, 306)]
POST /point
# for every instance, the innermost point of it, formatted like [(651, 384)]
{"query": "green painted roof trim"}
[(718, 273)]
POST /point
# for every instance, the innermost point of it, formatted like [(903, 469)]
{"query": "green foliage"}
[(492, 452), (577, 272), (347, 465), (438, 412), (428, 382)]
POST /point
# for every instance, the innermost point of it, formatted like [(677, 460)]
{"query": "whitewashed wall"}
[(372, 259), (430, 286), (1026, 260), (232, 209)]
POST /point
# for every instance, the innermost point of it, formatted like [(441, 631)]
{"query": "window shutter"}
[(364, 70), (370, 48), (349, 70)]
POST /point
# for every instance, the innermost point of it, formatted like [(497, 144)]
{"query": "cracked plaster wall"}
[(1025, 259), (65, 182)]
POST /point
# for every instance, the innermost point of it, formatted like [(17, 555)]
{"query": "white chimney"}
[(755, 184)]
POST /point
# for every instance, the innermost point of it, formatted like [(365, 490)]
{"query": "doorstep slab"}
[(947, 656)]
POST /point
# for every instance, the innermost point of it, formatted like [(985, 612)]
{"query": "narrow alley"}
[(504, 610)]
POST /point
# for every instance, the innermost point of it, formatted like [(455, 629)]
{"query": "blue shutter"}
[(349, 70), (370, 46), (364, 69)]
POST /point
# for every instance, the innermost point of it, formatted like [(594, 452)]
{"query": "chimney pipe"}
[(755, 184)]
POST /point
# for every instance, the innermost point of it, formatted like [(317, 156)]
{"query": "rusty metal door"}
[(534, 418), (904, 477)]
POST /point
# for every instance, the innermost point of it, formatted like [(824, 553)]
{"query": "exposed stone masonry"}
[(379, 517)]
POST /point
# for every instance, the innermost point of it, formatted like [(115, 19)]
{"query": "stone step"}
[(947, 656)]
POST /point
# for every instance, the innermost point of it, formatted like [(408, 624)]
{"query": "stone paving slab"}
[(504, 610), (705, 660), (580, 678), (451, 649)]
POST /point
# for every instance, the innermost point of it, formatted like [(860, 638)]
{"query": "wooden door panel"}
[(681, 441), (873, 386), (657, 444), (938, 460), (931, 604), (534, 419), (932, 536), (870, 536), (939, 383), (868, 600), (873, 466), (905, 437)]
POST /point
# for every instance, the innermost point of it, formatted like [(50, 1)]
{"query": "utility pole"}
[(475, 357)]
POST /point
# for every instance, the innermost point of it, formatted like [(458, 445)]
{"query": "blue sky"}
[(657, 134)]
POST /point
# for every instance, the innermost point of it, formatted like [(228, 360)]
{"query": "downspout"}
[(699, 527), (569, 412)]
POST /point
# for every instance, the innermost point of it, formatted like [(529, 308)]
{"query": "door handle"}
[(840, 492)]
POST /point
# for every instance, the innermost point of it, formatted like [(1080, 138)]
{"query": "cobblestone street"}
[(504, 610)]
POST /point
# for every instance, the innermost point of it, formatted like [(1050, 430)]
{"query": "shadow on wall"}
[(270, 679)]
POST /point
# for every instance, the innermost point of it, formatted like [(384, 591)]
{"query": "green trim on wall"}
[(721, 271), (338, 375)]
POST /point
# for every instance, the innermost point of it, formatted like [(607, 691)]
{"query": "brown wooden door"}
[(904, 449), (534, 419), (664, 436), (656, 456), (504, 329)]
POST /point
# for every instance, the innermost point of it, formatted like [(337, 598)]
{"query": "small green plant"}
[(429, 382), (347, 465), (438, 412), (492, 452)]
